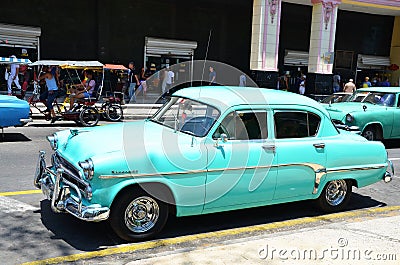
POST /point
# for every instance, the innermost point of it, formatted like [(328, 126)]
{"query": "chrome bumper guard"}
[(387, 177), (58, 191), (353, 129)]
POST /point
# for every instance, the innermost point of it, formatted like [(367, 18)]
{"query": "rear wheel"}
[(89, 116), (114, 112), (335, 196), (137, 215)]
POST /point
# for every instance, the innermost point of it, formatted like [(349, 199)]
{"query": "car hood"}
[(128, 140)]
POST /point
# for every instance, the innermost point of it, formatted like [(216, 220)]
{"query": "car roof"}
[(224, 97), (380, 89)]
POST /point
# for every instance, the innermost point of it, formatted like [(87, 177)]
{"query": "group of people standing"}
[(137, 81)]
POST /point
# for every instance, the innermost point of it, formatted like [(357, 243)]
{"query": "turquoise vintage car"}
[(375, 110), (208, 149), (13, 112)]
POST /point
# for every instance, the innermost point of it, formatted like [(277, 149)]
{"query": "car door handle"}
[(269, 147), (319, 145)]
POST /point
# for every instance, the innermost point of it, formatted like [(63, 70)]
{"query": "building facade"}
[(263, 38)]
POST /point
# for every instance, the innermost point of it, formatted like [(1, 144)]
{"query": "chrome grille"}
[(71, 173)]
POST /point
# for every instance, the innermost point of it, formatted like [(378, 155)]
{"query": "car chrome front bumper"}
[(25, 121), (389, 175), (58, 191)]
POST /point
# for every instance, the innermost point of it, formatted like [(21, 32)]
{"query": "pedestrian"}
[(13, 76), (283, 83), (26, 75), (386, 83), (170, 76), (242, 80), (366, 82), (133, 80), (212, 77), (163, 79), (336, 83), (302, 86), (349, 87), (52, 90)]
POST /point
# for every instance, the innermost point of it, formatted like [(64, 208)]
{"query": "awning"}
[(296, 58), (19, 36), (372, 62), (10, 60), (157, 47), (69, 64), (115, 67)]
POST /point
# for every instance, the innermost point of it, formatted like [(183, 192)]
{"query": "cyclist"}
[(52, 90)]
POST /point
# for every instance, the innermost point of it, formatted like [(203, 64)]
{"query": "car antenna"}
[(205, 58)]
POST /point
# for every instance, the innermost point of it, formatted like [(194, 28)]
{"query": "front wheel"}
[(89, 116), (372, 133), (335, 195), (138, 216), (114, 112)]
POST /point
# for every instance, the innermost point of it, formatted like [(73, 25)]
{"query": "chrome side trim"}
[(312, 166), (349, 169), (319, 170)]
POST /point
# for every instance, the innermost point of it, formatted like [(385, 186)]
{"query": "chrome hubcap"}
[(369, 135), (336, 192), (142, 214)]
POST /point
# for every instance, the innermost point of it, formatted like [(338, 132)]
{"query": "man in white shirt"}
[(170, 78), (13, 77)]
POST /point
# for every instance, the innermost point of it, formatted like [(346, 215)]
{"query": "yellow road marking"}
[(218, 234), (22, 192)]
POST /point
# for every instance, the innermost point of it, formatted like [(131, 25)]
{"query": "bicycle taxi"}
[(85, 111)]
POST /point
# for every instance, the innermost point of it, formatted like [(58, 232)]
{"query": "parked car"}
[(377, 115), (13, 111), (207, 150)]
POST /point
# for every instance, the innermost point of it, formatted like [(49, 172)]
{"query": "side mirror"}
[(223, 138)]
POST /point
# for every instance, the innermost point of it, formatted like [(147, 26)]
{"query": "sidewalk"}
[(361, 240), (141, 110)]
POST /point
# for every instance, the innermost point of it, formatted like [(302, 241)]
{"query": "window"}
[(296, 124), (244, 125)]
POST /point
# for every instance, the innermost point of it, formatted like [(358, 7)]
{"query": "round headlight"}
[(349, 118), (88, 168), (53, 141)]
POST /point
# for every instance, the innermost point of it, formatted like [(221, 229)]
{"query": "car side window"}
[(398, 101), (243, 125), (296, 124)]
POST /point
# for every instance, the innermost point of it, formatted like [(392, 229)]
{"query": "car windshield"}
[(380, 98), (358, 97), (336, 98), (187, 115)]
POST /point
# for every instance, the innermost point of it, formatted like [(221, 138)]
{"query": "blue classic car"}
[(208, 149), (13, 111), (375, 111)]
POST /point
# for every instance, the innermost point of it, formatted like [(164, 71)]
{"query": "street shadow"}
[(89, 236), (13, 137)]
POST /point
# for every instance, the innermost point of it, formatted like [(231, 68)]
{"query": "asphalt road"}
[(29, 231)]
